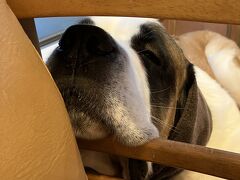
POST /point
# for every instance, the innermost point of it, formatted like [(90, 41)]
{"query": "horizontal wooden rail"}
[(187, 156), (197, 158), (221, 11)]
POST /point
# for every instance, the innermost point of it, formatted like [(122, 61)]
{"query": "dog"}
[(128, 78), (217, 55)]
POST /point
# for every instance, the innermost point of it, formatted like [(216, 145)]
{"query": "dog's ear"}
[(193, 122), (192, 125)]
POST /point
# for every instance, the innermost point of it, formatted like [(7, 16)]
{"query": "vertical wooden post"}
[(30, 29)]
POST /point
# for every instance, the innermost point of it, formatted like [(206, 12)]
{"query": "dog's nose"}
[(89, 39)]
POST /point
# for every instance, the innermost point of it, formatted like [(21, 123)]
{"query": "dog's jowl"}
[(127, 78)]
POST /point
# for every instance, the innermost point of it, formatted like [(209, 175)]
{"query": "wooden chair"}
[(201, 159)]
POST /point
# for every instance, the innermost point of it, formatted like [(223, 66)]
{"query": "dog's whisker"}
[(141, 51), (159, 91), (156, 89), (87, 63), (165, 107), (157, 120)]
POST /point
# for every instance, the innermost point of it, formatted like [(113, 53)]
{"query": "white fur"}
[(150, 169), (122, 29), (225, 113), (47, 50), (224, 58)]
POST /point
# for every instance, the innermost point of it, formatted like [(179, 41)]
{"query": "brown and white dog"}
[(217, 55), (126, 77)]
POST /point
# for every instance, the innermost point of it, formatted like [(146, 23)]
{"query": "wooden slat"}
[(221, 11), (192, 157), (101, 177), (30, 29)]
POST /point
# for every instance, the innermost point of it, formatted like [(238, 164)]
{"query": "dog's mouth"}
[(95, 116)]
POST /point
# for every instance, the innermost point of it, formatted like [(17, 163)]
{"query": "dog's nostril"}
[(98, 46), (104, 47)]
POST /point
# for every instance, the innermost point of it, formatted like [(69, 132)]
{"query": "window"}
[(49, 31)]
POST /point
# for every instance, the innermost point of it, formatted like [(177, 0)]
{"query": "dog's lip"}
[(74, 96)]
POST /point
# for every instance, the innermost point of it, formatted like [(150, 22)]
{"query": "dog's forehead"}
[(122, 28)]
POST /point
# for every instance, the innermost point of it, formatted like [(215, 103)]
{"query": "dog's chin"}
[(93, 132), (92, 121), (85, 127)]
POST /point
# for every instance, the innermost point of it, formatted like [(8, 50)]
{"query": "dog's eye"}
[(150, 56)]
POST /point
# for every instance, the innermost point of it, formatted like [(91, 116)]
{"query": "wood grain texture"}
[(187, 156), (30, 29), (220, 11), (101, 177)]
